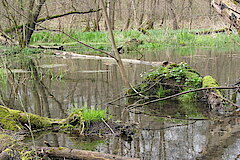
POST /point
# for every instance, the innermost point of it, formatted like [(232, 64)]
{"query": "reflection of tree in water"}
[(193, 140), (27, 89)]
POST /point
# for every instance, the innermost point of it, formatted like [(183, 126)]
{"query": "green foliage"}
[(187, 98), (161, 92), (177, 77), (185, 38), (94, 114), (155, 39), (90, 114)]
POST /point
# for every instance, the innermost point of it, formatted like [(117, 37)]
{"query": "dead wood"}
[(109, 60), (61, 48), (60, 152)]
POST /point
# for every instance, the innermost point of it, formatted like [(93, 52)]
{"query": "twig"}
[(107, 125), (50, 18)]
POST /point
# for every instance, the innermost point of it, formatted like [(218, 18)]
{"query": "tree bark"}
[(173, 15), (33, 14), (112, 13)]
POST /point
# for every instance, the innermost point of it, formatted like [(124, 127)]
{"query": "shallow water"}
[(65, 82)]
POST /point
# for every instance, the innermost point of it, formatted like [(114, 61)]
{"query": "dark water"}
[(62, 83)]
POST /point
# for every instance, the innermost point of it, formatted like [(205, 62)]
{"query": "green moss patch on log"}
[(16, 120), (209, 81)]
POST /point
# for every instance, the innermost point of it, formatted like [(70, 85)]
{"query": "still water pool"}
[(64, 82)]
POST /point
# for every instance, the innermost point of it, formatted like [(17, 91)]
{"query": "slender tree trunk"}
[(127, 24), (151, 16), (97, 18), (114, 47), (88, 27), (173, 15), (112, 13), (140, 22), (190, 13)]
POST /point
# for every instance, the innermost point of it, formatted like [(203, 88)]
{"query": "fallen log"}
[(61, 48), (60, 152), (109, 60), (11, 147)]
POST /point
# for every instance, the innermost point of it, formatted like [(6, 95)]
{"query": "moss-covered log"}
[(214, 96), (16, 123), (18, 120), (182, 82)]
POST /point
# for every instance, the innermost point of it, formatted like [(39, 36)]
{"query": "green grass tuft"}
[(91, 115)]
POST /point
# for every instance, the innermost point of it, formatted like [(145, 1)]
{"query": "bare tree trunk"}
[(114, 47), (88, 27), (151, 16), (33, 14), (129, 8), (112, 13), (173, 15), (190, 13), (97, 18), (140, 22), (58, 152)]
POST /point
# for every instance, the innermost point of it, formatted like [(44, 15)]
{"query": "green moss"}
[(209, 81), (16, 120), (61, 148), (27, 154)]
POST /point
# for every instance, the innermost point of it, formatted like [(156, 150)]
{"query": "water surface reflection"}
[(78, 82)]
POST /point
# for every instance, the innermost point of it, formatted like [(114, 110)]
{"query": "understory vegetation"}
[(133, 40)]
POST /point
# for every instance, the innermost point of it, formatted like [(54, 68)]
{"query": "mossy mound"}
[(169, 80)]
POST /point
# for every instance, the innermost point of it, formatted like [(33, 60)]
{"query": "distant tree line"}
[(20, 18)]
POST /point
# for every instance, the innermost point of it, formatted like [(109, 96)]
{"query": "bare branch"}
[(178, 94), (52, 17)]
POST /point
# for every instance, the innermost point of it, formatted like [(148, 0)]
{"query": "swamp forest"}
[(120, 79)]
